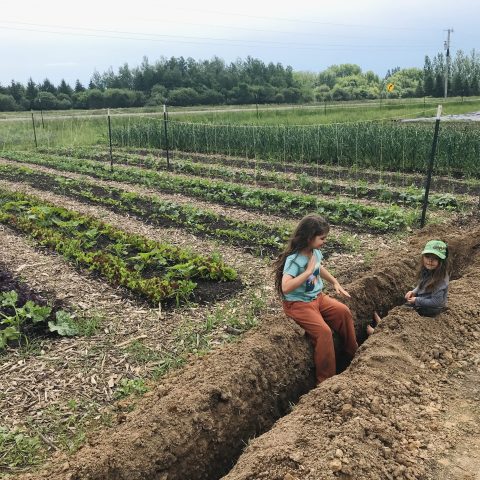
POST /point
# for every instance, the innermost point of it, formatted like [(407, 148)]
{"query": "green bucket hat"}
[(437, 247)]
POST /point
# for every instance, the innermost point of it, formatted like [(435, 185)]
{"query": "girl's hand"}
[(339, 289), (409, 295), (311, 264), (411, 300)]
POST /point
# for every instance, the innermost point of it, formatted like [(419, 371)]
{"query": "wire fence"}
[(383, 145)]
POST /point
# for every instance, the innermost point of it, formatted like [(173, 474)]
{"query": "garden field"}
[(140, 335)]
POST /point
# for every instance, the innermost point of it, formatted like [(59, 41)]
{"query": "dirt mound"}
[(199, 419), (195, 424)]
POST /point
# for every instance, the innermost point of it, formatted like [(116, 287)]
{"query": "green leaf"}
[(9, 299), (63, 325), (7, 334), (35, 312)]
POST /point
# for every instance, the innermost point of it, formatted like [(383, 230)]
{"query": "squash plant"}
[(13, 318)]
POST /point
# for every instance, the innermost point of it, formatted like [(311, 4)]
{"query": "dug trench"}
[(196, 422)]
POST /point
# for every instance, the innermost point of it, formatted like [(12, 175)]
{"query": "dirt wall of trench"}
[(197, 421)]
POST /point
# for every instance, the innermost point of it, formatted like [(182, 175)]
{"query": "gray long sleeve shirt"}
[(436, 298)]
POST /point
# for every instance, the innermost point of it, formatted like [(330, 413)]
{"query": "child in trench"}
[(299, 276), (429, 297)]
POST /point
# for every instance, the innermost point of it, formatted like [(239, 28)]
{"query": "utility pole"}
[(446, 46)]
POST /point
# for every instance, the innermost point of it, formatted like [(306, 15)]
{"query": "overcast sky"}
[(59, 39)]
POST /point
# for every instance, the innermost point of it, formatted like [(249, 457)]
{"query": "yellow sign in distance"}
[(390, 87)]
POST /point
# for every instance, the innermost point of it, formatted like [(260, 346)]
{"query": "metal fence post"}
[(430, 166), (165, 121), (34, 131), (110, 139)]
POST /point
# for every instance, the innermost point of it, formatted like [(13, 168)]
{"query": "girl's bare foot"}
[(370, 330), (377, 317)]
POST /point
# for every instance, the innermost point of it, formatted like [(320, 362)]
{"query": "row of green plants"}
[(15, 317), (381, 145), (265, 200), (153, 270), (256, 237), (304, 182)]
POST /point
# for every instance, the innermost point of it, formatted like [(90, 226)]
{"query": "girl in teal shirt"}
[(299, 276)]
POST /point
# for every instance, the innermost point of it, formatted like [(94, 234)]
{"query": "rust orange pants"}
[(316, 318)]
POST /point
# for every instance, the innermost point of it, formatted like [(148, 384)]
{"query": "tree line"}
[(180, 81)]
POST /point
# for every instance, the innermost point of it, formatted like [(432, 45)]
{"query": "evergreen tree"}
[(47, 86), (31, 91), (65, 88), (79, 87), (439, 89), (428, 78), (16, 90)]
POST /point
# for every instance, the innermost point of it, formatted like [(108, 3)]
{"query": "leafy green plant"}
[(29, 312), (255, 237), (130, 387), (63, 324), (18, 449), (111, 252), (271, 200)]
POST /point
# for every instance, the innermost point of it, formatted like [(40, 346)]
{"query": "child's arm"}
[(435, 300), (411, 294), (290, 283), (326, 275)]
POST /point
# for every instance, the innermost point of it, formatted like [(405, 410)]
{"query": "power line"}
[(315, 22), (126, 35)]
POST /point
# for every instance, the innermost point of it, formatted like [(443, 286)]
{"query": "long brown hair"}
[(438, 275), (309, 227)]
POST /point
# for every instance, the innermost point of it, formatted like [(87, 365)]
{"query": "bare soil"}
[(397, 412)]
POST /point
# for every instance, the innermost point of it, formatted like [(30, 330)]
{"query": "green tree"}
[(322, 93), (47, 86), (79, 87), (7, 103), (47, 101), (406, 82), (80, 100), (95, 98), (428, 77), (65, 88), (64, 102), (16, 90), (96, 82), (183, 96), (31, 92)]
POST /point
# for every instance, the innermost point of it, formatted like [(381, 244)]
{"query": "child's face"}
[(430, 261), (318, 241)]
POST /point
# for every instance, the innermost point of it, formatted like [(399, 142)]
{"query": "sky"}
[(51, 39)]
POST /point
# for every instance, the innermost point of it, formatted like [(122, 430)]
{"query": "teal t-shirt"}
[(295, 265)]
